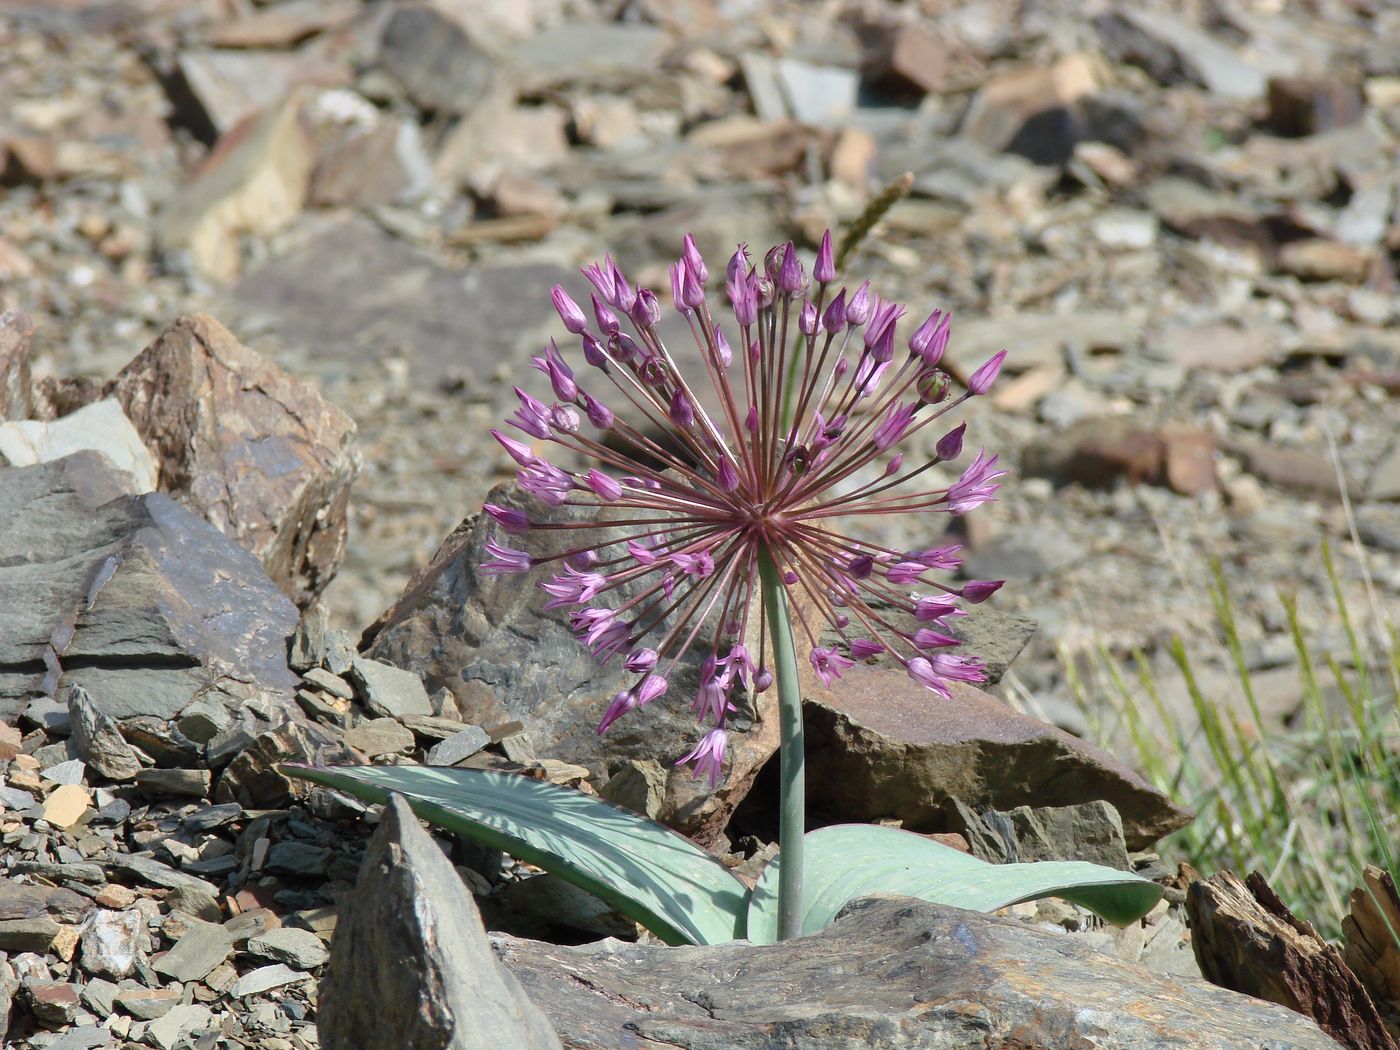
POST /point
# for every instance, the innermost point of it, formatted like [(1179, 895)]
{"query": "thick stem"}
[(791, 755)]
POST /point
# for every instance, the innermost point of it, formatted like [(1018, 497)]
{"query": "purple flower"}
[(978, 591), (981, 380), (707, 757), (504, 560), (791, 448)]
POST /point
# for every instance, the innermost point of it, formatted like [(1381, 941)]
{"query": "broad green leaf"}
[(644, 870), (846, 861)]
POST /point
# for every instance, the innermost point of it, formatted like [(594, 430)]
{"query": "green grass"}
[(1308, 805)]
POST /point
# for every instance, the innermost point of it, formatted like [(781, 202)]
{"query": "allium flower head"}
[(803, 394)]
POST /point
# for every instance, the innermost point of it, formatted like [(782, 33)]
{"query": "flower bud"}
[(569, 312), (599, 414), (607, 320), (681, 412), (792, 278), (738, 264), (693, 260), (931, 338), (825, 268), (950, 444), (646, 310), (593, 351), (807, 319), (773, 261), (859, 307), (932, 385), (564, 419), (835, 315), (981, 380)]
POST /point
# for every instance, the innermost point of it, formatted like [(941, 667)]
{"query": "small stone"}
[(98, 740), (331, 683), (196, 901), (189, 783), (1315, 259), (202, 947), (66, 805), (379, 736), (1189, 459), (203, 720), (300, 949), (54, 1003), (298, 858), (28, 935), (167, 1030), (640, 785), (431, 727), (146, 1004), (264, 979), (308, 644), (1032, 112), (1384, 483), (68, 771), (115, 896), (458, 747), (904, 61), (112, 942), (65, 942), (100, 996), (1308, 105), (389, 691), (11, 741)]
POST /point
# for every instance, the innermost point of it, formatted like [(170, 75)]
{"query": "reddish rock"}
[(1308, 105), (881, 745), (260, 455), (54, 1003), (1189, 459)]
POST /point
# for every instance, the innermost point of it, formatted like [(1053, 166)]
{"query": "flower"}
[(803, 393)]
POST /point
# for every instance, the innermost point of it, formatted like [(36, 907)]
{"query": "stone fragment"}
[(101, 425), (302, 859), (194, 899), (459, 746), (1295, 470), (201, 948), (438, 63), (111, 942), (1225, 348), (505, 657), (640, 785), (410, 963), (562, 906), (100, 996), (1315, 259), (98, 740), (914, 974), (53, 1003), (219, 89), (189, 783), (1089, 831), (146, 1004), (167, 1030), (168, 605), (253, 182), (16, 386), (603, 55), (1032, 112), (880, 747), (66, 804), (379, 736), (389, 691), (265, 979), (1306, 105), (259, 454), (1172, 49), (903, 62), (19, 900), (203, 720), (363, 158), (283, 25), (1097, 453), (252, 779), (1188, 459), (299, 949), (816, 94), (331, 683), (155, 873), (28, 934), (11, 742), (1384, 482), (307, 647)]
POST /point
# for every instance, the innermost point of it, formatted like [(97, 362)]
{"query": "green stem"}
[(792, 804)]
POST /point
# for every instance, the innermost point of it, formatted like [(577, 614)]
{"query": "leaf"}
[(846, 861), (646, 871)]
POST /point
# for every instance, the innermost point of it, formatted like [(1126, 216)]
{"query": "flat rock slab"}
[(881, 745), (148, 606), (353, 293), (890, 972)]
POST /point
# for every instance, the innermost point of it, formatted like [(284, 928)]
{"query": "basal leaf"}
[(847, 861), (644, 870)]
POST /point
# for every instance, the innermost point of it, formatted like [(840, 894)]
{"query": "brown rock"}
[(1315, 259), (254, 181), (1031, 111), (54, 1003), (1308, 105), (260, 455), (1189, 459), (852, 154), (1247, 940), (16, 390), (11, 741), (1295, 470), (904, 61), (1099, 452), (67, 803), (285, 25), (252, 778), (883, 746)]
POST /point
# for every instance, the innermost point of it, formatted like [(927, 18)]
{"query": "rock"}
[(147, 1004), (1097, 453), (1023, 555), (20, 900), (155, 873), (301, 859), (28, 934), (1188, 459), (253, 182), (331, 683), (1247, 940), (265, 979), (66, 804), (458, 746), (193, 899), (389, 691), (1315, 259), (16, 385), (216, 90), (914, 974), (259, 454), (98, 740), (364, 159), (1032, 112), (505, 657), (1172, 49), (1384, 483), (299, 949), (884, 746), (201, 948), (902, 62), (379, 736), (1225, 348), (599, 54), (340, 295), (168, 605), (167, 1030), (562, 906), (252, 779), (1308, 105), (1090, 831), (283, 25), (54, 1003), (101, 425), (431, 54), (821, 95), (307, 647), (188, 783), (112, 942), (1295, 470), (640, 785), (410, 963)]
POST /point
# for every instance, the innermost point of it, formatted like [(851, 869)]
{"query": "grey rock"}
[(290, 857), (439, 65), (557, 903), (101, 426), (147, 1004), (202, 721), (64, 771), (598, 54), (53, 1003), (505, 657), (100, 996), (265, 979), (20, 900), (50, 714), (188, 783), (410, 964), (815, 94), (1023, 555), (389, 691), (379, 736), (193, 899), (98, 740), (1090, 831), (207, 818), (16, 389), (30, 934), (308, 645), (431, 727), (1384, 483), (1379, 527), (201, 948), (457, 747), (640, 785), (299, 949), (912, 974), (155, 873), (1172, 49), (111, 943), (331, 683), (168, 604), (167, 1030), (252, 779)]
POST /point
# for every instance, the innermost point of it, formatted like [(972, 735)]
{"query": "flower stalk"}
[(792, 805)]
